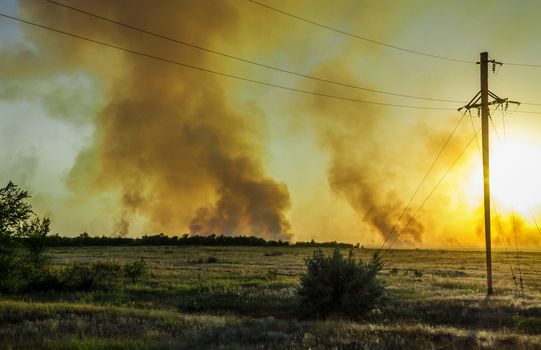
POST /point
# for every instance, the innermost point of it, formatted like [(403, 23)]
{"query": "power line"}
[(422, 182), (519, 64), (512, 216), (527, 112), (476, 139), (518, 256), (530, 104), (224, 74), (494, 127), (534, 221), (433, 190), (504, 127), (522, 65), (514, 225), (279, 69), (505, 245), (334, 29)]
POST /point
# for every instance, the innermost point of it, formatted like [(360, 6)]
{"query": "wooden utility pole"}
[(486, 164), (481, 103)]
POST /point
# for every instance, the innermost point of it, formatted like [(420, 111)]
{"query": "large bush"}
[(340, 286), (92, 276)]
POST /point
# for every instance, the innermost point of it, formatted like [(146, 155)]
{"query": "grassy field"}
[(247, 299)]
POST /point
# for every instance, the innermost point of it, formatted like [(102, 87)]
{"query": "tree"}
[(34, 234), (22, 239), (335, 285)]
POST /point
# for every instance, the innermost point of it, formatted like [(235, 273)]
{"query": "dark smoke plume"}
[(358, 168), (361, 189), (167, 140)]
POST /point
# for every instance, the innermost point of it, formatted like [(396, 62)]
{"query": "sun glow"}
[(515, 175)]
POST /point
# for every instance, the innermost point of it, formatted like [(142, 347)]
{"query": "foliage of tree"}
[(340, 286), (22, 239)]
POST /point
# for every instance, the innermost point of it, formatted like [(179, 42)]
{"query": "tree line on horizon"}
[(84, 239)]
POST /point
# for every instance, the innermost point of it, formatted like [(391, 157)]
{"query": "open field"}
[(247, 299)]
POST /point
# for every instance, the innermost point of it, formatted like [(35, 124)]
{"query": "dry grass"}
[(247, 300)]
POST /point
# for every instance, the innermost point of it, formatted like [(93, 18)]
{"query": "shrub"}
[(86, 277), (134, 270), (49, 277), (340, 286), (91, 276), (272, 275), (274, 254), (212, 260), (207, 260), (531, 325)]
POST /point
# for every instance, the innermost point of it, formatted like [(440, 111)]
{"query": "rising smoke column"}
[(167, 140), (359, 170)]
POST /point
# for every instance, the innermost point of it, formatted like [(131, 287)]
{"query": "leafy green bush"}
[(134, 270), (91, 276), (335, 285), (86, 276)]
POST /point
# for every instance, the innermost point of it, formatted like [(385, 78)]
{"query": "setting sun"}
[(515, 175)]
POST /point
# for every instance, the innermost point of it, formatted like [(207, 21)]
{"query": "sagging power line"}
[(249, 61), (174, 62), (363, 38), (391, 46)]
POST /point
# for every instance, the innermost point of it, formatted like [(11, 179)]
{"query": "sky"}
[(110, 142)]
